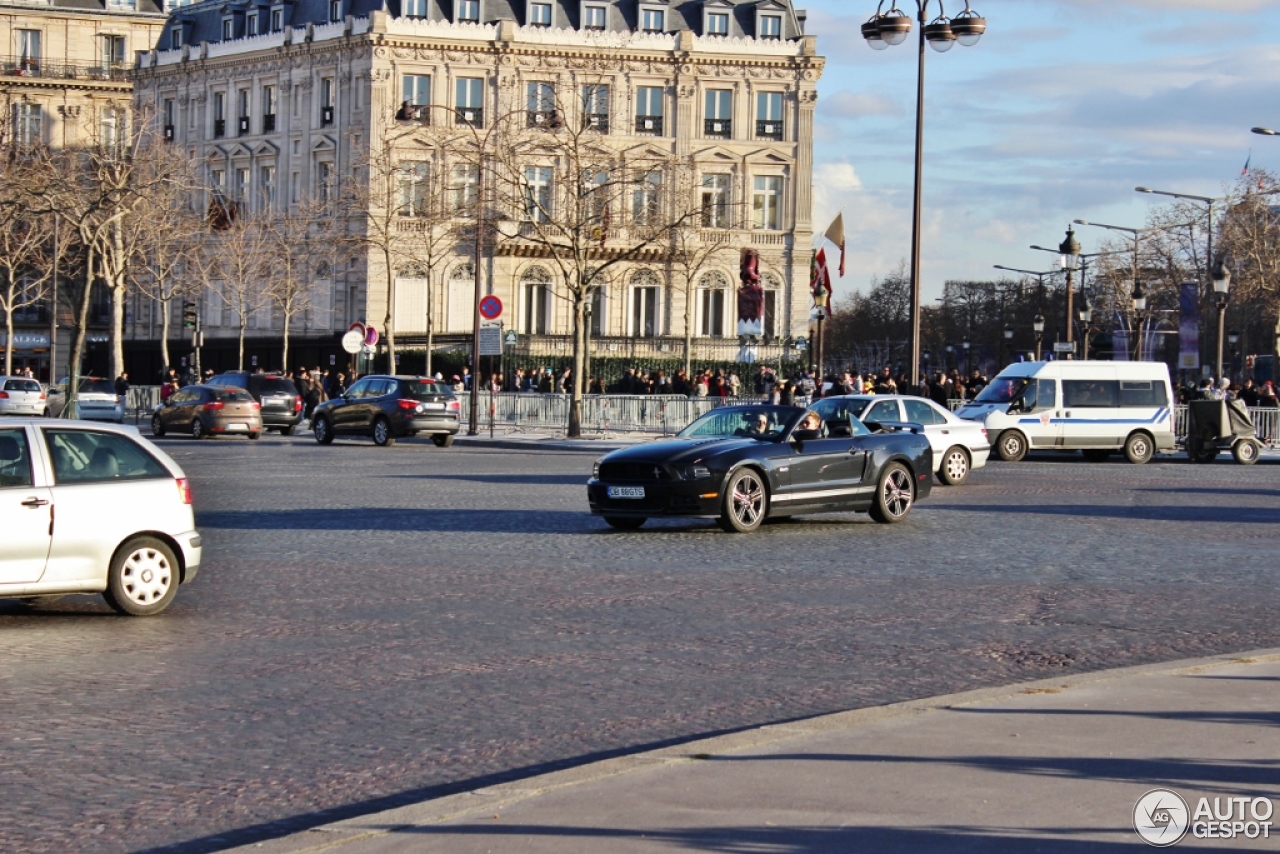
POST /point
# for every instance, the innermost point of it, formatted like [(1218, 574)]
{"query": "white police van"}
[(1094, 407)]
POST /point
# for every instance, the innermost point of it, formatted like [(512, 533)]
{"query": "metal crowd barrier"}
[(141, 402)]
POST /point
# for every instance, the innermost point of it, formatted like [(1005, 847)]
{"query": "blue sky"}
[(1060, 110)]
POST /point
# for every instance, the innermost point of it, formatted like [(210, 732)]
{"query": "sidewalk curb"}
[(491, 798)]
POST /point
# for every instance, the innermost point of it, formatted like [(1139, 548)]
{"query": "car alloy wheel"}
[(322, 432), (894, 494), (157, 426), (382, 433), (955, 466), (746, 500), (197, 429), (142, 579)]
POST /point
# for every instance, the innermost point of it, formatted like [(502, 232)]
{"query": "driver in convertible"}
[(757, 427)]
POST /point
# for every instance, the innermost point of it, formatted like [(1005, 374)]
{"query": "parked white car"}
[(959, 446), (21, 396), (93, 508), (96, 400)]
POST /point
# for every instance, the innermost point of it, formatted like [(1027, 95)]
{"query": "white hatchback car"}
[(957, 447), (96, 400), (93, 508), (21, 396)]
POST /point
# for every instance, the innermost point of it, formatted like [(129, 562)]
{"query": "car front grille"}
[(633, 473)]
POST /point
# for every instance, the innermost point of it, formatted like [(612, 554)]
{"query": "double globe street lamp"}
[(942, 33)]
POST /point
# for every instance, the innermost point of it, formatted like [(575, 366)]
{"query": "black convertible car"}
[(744, 464)]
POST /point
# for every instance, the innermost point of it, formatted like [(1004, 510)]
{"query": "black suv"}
[(387, 407), (281, 403)]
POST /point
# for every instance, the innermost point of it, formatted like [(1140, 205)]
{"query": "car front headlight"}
[(595, 470), (695, 472)]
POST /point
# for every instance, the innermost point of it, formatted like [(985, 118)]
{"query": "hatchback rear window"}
[(423, 388), (232, 395), (276, 385), (21, 385), (90, 386), (85, 456)]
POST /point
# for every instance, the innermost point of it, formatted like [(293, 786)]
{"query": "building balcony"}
[(769, 130), (649, 125), (598, 122), (717, 128), (470, 116), (269, 123), (16, 66)]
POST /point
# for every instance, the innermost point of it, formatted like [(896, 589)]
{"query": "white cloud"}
[(852, 105)]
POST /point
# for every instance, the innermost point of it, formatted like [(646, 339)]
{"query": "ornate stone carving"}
[(687, 90), (808, 96)]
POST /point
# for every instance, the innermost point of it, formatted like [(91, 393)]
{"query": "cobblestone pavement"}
[(379, 626)]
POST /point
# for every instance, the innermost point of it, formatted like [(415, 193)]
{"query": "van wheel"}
[(1138, 448), (1245, 451), (1096, 455), (955, 466), (1012, 446)]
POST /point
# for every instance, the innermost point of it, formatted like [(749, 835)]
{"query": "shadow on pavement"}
[(1164, 513), (1252, 718), (401, 519), (532, 479)]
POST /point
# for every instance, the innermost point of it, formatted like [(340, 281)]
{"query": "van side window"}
[(1139, 393), (1090, 393)]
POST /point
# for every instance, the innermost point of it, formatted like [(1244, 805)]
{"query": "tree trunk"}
[(8, 346), (116, 287), (244, 321), (288, 309), (387, 326), (164, 338), (688, 329), (431, 324), (579, 361), (78, 336)]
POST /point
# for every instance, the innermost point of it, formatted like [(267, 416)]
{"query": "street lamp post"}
[(1139, 308), (966, 356), (1038, 325), (1233, 338), (1086, 323), (1069, 256), (892, 28), (1039, 276), (1221, 287), (1008, 339)]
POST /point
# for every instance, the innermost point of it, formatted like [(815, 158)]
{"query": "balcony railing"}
[(769, 129), (16, 66), (219, 128), (717, 127), (242, 126), (598, 122), (649, 124), (471, 116), (269, 123), (419, 113)]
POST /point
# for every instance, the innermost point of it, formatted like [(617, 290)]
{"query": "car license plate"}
[(626, 492), (433, 406), (237, 426)]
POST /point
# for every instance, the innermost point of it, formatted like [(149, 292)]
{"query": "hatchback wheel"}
[(157, 426), (895, 494), (746, 500), (286, 431), (955, 466), (442, 440), (143, 577), (197, 429), (382, 433), (322, 430)]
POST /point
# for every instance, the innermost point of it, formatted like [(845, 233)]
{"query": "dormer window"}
[(770, 27), (469, 11), (717, 23), (175, 38), (277, 19), (415, 8), (335, 11), (653, 20), (540, 14), (593, 17), (228, 29), (251, 25)]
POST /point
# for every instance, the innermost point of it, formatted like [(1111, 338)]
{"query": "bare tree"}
[(27, 247), (233, 266), (291, 236)]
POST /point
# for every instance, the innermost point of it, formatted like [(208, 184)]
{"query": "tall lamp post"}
[(966, 355), (1221, 287), (1233, 338), (1139, 309), (1008, 339), (892, 28), (1039, 276), (1086, 323), (1069, 257), (1038, 325)]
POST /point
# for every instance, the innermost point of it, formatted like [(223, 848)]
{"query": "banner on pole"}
[(1189, 327)]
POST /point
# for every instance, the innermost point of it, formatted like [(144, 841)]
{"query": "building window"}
[(469, 101), (268, 109), (540, 104), (593, 17), (715, 201), (537, 193), (416, 89), (28, 124), (241, 188), (167, 116), (769, 115), (324, 181), (113, 49), (535, 302), (646, 200), (415, 8), (413, 188), (766, 202), (540, 14), (770, 26), (717, 23), (713, 288), (335, 11), (465, 186), (251, 24), (469, 11), (653, 20), (277, 20), (326, 101), (109, 128), (28, 50), (595, 106), (175, 38), (717, 120), (219, 115), (242, 112), (772, 288), (228, 29), (644, 304), (266, 187), (649, 110)]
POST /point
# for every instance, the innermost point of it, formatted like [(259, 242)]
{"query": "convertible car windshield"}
[(766, 423)]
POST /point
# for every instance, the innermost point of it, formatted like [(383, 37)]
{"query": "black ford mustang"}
[(743, 464)]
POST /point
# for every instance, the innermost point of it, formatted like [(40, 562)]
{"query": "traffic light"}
[(189, 315)]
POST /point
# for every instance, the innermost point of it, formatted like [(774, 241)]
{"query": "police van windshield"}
[(1002, 390)]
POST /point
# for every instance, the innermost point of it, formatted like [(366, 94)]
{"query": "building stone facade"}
[(65, 81), (282, 100)]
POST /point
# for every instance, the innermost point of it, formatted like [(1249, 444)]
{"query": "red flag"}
[(820, 281)]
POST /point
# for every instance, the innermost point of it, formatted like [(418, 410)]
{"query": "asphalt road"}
[(373, 627)]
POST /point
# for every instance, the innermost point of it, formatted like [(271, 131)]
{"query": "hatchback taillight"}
[(214, 404), (184, 490), (407, 404), (455, 405), (255, 405), (43, 395), (4, 395), (297, 404)]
